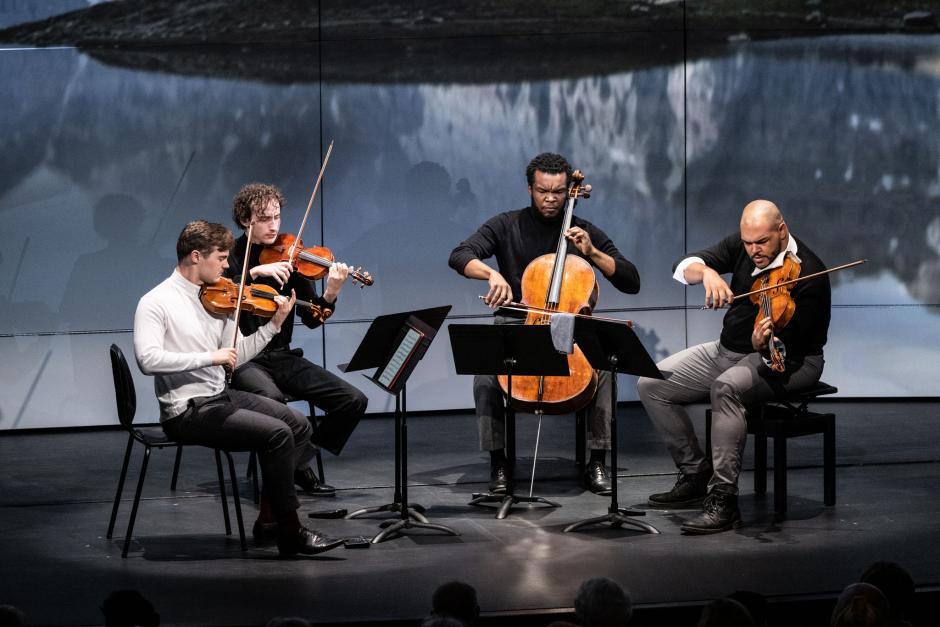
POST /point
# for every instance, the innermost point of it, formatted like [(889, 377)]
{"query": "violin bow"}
[(316, 186), (514, 306), (801, 278), (241, 293)]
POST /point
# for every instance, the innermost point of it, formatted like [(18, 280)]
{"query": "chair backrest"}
[(124, 392)]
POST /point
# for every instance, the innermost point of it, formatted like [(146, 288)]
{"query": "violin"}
[(558, 283), (313, 262), (221, 298), (775, 302)]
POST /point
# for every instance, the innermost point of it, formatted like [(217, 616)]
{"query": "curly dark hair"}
[(251, 196), (203, 236), (549, 163)]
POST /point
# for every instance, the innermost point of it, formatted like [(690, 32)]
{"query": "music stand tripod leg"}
[(616, 515), (415, 510), (410, 518)]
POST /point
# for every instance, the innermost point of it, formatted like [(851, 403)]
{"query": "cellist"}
[(735, 370), (515, 238)]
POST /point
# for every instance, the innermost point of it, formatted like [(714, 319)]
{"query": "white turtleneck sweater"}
[(174, 338)]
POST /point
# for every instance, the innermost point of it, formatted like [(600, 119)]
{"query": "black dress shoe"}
[(309, 483), (499, 480), (719, 513), (689, 491), (597, 479), (264, 532), (305, 542)]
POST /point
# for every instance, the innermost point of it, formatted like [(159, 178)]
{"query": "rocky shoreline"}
[(284, 41)]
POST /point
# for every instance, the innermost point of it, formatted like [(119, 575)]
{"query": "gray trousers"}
[(241, 421), (488, 398), (732, 381)]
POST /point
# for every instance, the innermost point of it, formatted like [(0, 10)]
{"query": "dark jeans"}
[(240, 421), (276, 373)]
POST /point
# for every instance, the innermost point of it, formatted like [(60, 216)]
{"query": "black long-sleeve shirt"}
[(517, 237), (807, 330), (302, 286)]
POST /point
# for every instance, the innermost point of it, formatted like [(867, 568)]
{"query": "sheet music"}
[(399, 358)]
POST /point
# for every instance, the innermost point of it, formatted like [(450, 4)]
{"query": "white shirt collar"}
[(791, 250)]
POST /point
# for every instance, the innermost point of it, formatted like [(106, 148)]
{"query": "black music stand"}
[(393, 345), (512, 350), (613, 346)]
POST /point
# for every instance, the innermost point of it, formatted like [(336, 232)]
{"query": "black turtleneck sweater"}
[(515, 238), (303, 287)]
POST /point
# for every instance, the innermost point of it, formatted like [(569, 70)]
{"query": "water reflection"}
[(839, 131)]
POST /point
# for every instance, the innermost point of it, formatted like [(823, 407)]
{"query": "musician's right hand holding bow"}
[(280, 271), (717, 292)]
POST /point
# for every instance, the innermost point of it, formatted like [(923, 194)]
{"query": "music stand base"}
[(396, 527), (415, 511), (506, 501), (620, 517)]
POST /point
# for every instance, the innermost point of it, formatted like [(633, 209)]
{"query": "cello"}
[(558, 283)]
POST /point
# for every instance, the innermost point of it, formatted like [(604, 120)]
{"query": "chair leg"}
[(829, 460), (780, 476), (319, 468), (140, 488), (218, 467), (176, 466), (760, 463), (253, 475), (120, 486), (238, 504)]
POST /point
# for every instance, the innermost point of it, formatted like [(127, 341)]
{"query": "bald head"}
[(763, 232), (759, 213)]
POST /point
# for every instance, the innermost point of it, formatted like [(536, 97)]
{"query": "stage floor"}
[(56, 491)]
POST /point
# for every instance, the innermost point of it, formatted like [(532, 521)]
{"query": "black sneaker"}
[(689, 491), (719, 513)]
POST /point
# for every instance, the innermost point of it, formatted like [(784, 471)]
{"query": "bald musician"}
[(734, 371)]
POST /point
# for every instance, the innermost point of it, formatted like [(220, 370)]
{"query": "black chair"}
[(153, 437), (782, 418)]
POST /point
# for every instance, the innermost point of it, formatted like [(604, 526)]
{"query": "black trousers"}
[(276, 373), (240, 421)]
